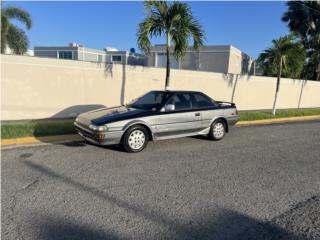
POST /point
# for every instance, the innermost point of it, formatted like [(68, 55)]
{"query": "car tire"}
[(217, 130), (135, 139)]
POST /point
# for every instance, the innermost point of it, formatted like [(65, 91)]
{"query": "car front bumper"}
[(99, 138)]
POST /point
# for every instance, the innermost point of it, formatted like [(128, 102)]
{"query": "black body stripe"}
[(146, 113), (177, 132)]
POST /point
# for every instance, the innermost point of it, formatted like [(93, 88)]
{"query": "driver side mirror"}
[(168, 108)]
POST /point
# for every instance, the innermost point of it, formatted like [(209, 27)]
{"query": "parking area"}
[(260, 182)]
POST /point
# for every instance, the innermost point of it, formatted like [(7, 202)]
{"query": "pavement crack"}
[(31, 183), (15, 197)]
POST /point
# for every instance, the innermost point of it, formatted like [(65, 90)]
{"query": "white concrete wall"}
[(33, 88)]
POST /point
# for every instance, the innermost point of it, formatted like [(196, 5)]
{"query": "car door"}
[(181, 119), (206, 107)]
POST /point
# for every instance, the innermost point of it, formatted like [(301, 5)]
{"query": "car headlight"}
[(77, 119), (102, 128), (98, 128)]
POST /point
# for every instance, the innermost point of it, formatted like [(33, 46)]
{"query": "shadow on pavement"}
[(224, 226), (202, 137), (55, 228), (220, 224), (81, 143)]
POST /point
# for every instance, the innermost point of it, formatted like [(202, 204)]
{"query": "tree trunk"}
[(168, 62), (318, 67), (277, 89), (318, 72), (274, 104), (4, 32)]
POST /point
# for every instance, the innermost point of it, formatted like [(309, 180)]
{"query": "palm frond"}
[(150, 27), (184, 26), (285, 50), (12, 36), (157, 8), (174, 19), (143, 35), (303, 18), (197, 33), (17, 40), (19, 14)]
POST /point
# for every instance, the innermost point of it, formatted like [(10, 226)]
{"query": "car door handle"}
[(197, 114)]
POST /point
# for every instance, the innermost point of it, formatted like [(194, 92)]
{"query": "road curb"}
[(75, 137), (33, 140)]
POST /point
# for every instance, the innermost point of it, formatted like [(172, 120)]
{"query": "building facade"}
[(210, 58), (214, 58), (79, 52)]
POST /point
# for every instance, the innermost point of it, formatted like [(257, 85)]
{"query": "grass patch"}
[(258, 115), (60, 127), (37, 129)]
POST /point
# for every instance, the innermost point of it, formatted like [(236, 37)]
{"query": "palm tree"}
[(286, 57), (303, 18), (12, 36), (173, 20)]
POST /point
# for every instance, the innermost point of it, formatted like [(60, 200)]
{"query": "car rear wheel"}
[(218, 130), (135, 139)]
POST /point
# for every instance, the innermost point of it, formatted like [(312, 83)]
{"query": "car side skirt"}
[(180, 134)]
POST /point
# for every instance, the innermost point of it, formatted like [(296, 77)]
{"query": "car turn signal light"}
[(100, 136)]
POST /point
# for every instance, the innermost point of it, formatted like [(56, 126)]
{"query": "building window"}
[(99, 58), (116, 58), (65, 54)]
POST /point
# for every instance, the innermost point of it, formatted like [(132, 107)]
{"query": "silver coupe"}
[(157, 115)]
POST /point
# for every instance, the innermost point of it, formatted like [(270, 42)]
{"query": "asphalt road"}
[(258, 183)]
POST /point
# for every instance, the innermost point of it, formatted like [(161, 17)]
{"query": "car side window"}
[(180, 101), (201, 101)]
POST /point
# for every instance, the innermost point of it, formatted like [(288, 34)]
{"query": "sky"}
[(249, 26)]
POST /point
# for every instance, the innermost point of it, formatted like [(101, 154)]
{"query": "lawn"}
[(59, 127), (37, 129), (258, 115)]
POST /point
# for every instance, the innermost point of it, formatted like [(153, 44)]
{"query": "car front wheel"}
[(218, 130), (135, 139)]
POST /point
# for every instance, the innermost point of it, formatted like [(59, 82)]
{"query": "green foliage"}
[(37, 129), (11, 35), (286, 53), (258, 115), (174, 20), (17, 40), (303, 18)]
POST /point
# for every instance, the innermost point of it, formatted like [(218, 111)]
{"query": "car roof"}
[(176, 91)]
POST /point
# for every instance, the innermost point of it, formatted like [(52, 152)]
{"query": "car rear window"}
[(202, 101)]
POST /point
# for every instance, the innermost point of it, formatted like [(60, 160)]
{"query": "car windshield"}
[(149, 101)]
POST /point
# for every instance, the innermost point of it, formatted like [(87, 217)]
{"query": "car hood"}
[(107, 115)]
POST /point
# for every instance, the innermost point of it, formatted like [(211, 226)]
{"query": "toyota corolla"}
[(157, 115)]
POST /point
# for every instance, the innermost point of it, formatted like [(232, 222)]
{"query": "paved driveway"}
[(258, 183)]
